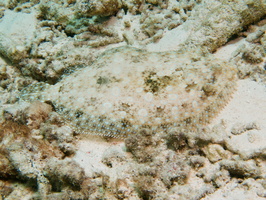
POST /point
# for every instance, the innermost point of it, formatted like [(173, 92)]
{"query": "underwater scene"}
[(132, 99)]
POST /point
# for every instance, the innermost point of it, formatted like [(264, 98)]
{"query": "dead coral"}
[(49, 10), (218, 35), (197, 161), (31, 114), (37, 113), (143, 145), (7, 171), (10, 50), (152, 24), (241, 169), (4, 77), (17, 3), (215, 152), (240, 128), (253, 54), (96, 35), (5, 189), (53, 55), (175, 170), (16, 113), (59, 175), (100, 8), (35, 161), (59, 136), (151, 188), (153, 180), (159, 168), (176, 140)]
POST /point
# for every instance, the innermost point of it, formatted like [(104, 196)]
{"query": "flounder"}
[(128, 88)]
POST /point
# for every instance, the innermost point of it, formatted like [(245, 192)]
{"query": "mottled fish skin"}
[(129, 88)]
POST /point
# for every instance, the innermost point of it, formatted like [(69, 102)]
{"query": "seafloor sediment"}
[(179, 84)]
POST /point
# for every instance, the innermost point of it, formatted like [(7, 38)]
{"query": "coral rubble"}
[(174, 119)]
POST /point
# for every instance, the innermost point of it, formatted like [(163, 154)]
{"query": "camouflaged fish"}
[(128, 88)]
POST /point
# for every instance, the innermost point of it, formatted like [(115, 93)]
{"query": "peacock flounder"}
[(128, 88)]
